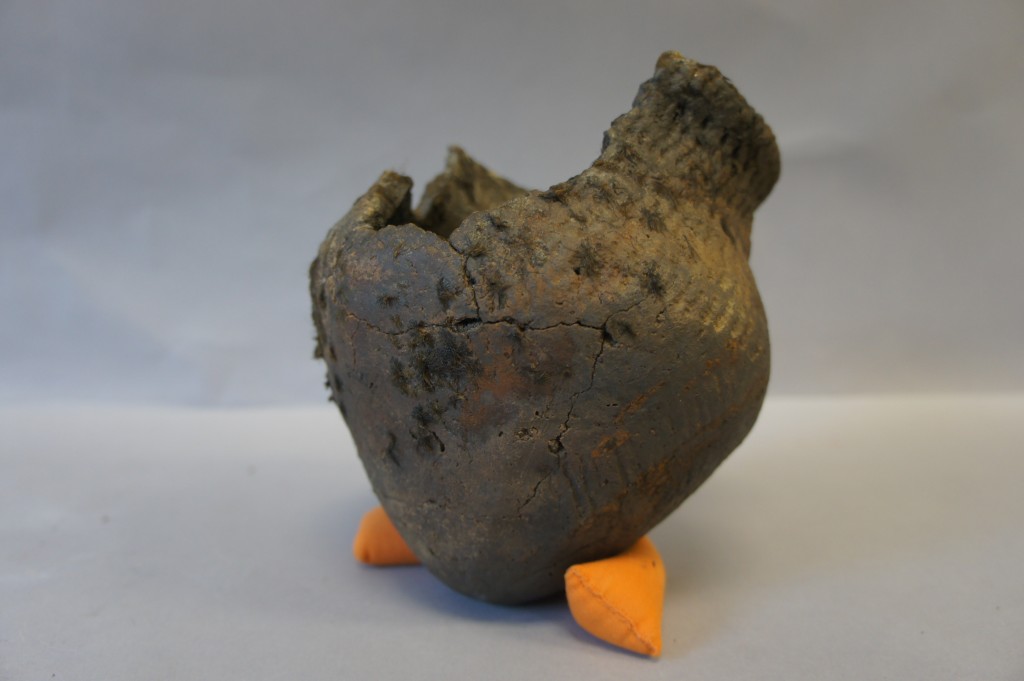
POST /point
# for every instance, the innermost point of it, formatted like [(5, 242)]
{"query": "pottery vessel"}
[(535, 379)]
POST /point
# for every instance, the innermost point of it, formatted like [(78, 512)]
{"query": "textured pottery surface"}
[(535, 379)]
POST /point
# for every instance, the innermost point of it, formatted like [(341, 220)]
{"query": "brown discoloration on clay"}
[(609, 443), (536, 379), (638, 402)]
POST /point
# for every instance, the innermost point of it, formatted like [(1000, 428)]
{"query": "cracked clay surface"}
[(535, 379)]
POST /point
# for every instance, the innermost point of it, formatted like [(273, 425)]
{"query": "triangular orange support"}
[(620, 599), (378, 543)]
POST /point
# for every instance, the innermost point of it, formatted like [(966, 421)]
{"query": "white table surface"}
[(847, 538)]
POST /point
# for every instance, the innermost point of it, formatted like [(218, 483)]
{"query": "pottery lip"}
[(708, 133), (719, 139), (388, 201)]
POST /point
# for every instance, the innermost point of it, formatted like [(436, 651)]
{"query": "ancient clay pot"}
[(535, 379)]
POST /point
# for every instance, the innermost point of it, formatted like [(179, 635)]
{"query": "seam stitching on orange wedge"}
[(615, 611)]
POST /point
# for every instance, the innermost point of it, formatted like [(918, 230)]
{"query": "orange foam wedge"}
[(620, 599)]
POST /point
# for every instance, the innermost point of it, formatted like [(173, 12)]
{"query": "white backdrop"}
[(167, 170)]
